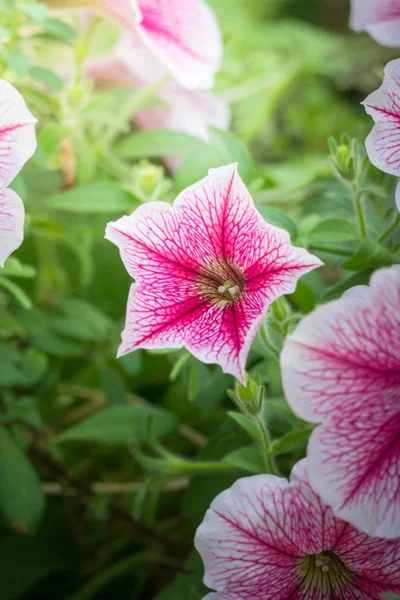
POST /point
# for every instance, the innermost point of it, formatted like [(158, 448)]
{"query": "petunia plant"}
[(206, 408)]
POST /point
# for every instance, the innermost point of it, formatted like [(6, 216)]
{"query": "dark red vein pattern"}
[(381, 18), (255, 536), (212, 228), (341, 367)]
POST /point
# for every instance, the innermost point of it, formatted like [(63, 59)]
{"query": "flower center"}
[(222, 282), (324, 571)]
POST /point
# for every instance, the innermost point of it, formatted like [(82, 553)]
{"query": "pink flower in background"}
[(267, 539), (205, 271), (183, 35), (11, 223), (341, 368), (17, 144), (380, 18), (383, 143), (188, 111), (17, 133)]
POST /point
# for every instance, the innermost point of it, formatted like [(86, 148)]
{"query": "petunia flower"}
[(17, 133), (267, 539), (383, 143), (205, 271), (380, 18), (17, 144), (11, 223), (341, 368), (183, 35)]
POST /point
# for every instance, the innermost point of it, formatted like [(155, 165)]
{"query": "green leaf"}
[(47, 77), (291, 441), (37, 11), (360, 278), (117, 425), (370, 255), (158, 143), (81, 321), (59, 29), (21, 497), (18, 62), (249, 459), (246, 424), (102, 197), (222, 150), (17, 292), (279, 219), (303, 297), (330, 231), (14, 268), (33, 365)]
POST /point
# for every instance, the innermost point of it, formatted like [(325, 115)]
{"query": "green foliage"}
[(135, 449)]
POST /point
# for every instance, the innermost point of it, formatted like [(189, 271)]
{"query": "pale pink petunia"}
[(206, 270), (11, 223), (380, 18), (17, 133), (183, 35), (269, 539), (341, 368), (383, 143)]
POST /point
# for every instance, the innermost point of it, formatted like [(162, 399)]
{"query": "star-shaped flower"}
[(381, 18), (267, 539), (206, 270), (17, 144), (383, 143), (341, 368)]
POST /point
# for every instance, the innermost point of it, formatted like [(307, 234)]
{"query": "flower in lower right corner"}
[(341, 368), (269, 539)]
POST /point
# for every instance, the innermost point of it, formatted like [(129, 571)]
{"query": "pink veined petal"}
[(245, 541), (222, 221), (11, 223), (17, 133), (371, 558), (354, 464), (381, 18), (166, 249), (383, 143), (342, 366), (345, 356), (254, 535), (185, 37)]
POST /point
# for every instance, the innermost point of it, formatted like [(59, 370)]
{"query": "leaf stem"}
[(265, 443), (358, 204), (390, 229)]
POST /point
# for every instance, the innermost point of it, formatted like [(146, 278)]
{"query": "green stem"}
[(265, 444), (358, 204), (390, 229)]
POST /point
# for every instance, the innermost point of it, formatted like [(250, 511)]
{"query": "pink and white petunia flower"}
[(269, 539), (380, 18), (11, 223), (183, 35), (17, 133), (341, 368), (383, 143), (205, 271)]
